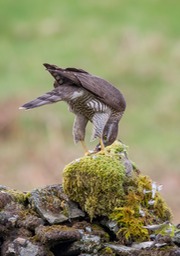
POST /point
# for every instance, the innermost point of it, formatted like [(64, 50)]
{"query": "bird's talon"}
[(89, 152)]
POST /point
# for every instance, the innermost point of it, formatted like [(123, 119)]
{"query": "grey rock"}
[(52, 218), (178, 226), (175, 252), (86, 254), (10, 215), (92, 239), (53, 205), (157, 227), (5, 198), (118, 248), (2, 187), (142, 245), (89, 244), (23, 247), (31, 225), (127, 163), (47, 204), (51, 235), (176, 238), (111, 225), (159, 245), (73, 210), (86, 229), (30, 222)]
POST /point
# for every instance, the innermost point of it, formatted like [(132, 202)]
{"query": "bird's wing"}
[(102, 89), (61, 74), (105, 91)]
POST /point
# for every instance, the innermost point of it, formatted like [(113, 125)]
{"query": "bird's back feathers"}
[(102, 89)]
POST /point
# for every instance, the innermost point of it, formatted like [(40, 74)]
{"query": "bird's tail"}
[(47, 98)]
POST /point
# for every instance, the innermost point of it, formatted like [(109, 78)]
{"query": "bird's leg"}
[(102, 144), (79, 131), (84, 147)]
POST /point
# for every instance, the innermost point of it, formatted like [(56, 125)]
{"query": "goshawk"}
[(90, 98)]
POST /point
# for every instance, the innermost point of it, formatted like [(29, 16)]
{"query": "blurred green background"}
[(133, 44)]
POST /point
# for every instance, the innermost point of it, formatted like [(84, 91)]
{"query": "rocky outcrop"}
[(104, 207), (45, 222)]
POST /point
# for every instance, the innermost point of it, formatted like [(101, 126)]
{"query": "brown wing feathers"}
[(102, 89)]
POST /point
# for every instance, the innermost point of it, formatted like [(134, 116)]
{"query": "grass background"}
[(133, 44)]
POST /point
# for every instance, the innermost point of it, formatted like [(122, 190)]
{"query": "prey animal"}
[(90, 98)]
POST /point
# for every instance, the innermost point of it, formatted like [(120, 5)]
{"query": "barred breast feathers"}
[(96, 105)]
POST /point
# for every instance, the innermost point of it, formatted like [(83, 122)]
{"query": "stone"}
[(142, 245), (176, 238), (110, 224), (5, 199), (118, 248), (30, 222), (53, 205), (54, 234), (74, 211), (24, 247)]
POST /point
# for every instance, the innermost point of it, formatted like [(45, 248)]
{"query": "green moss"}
[(18, 196), (131, 225), (161, 209), (107, 251), (167, 229), (96, 181), (139, 209), (100, 185)]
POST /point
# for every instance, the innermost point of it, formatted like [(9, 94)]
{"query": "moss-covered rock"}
[(103, 186), (96, 181), (18, 196)]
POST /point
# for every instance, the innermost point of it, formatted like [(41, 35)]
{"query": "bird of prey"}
[(90, 98)]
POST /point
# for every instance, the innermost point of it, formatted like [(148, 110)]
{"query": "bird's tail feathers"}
[(47, 98)]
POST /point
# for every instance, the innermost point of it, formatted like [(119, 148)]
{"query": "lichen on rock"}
[(107, 184)]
